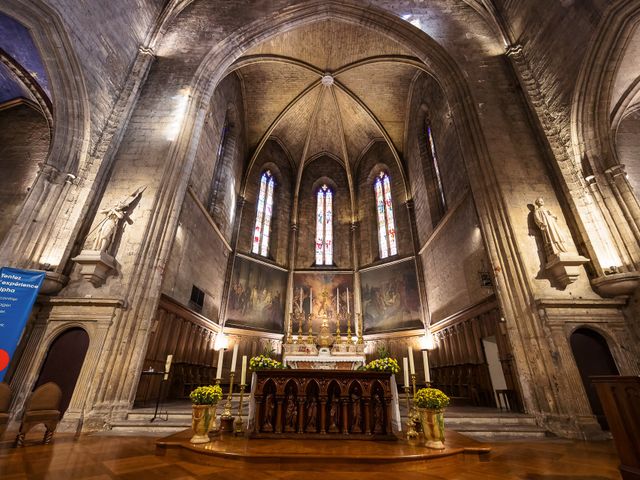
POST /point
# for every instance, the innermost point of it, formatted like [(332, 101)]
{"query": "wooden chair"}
[(5, 400), (43, 406)]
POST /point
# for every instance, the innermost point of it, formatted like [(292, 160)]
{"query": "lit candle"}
[(219, 370), (348, 311), (243, 375), (425, 360), (167, 366), (412, 366), (405, 369), (338, 300), (234, 358)]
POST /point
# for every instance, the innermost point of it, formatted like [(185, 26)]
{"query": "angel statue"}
[(109, 226)]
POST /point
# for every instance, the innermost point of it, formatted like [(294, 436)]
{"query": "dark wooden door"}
[(593, 357), (64, 361)]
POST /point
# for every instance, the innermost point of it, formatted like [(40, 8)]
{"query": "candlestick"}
[(349, 339), (239, 426), (412, 367), (234, 358), (310, 334), (220, 360), (300, 331), (361, 327), (226, 419), (243, 374), (405, 369), (412, 435), (427, 373)]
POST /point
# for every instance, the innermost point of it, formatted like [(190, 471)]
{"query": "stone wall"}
[(24, 142)]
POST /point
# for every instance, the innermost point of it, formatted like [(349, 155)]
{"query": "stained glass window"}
[(324, 226), (262, 229), (386, 224)]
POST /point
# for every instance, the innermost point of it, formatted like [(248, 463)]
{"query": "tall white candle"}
[(425, 360), (405, 369), (300, 298), (338, 300), (412, 366), (348, 311), (234, 358), (219, 370), (243, 375), (167, 366), (310, 301)]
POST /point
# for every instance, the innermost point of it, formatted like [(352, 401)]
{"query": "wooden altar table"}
[(323, 404)]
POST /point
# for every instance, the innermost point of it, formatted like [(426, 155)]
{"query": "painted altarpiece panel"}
[(256, 296), (390, 298), (321, 283)]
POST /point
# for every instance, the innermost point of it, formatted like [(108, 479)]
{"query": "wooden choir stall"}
[(323, 404)]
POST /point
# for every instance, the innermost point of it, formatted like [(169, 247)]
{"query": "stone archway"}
[(593, 357), (64, 361)]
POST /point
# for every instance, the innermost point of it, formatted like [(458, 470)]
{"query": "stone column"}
[(355, 254), (619, 183)]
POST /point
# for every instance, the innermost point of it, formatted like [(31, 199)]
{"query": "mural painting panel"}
[(325, 287), (390, 298), (256, 297)]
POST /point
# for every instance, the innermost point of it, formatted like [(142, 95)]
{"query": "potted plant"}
[(386, 364), (430, 403), (264, 362), (204, 402)]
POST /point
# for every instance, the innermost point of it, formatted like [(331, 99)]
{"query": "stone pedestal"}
[(565, 267), (53, 283), (96, 266)]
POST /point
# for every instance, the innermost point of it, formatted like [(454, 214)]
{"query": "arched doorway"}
[(593, 357), (64, 361)]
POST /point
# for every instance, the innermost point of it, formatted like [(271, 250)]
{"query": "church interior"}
[(323, 210)]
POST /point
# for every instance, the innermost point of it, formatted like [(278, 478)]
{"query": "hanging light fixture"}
[(221, 342), (428, 341)]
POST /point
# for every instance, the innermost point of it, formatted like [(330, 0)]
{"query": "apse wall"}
[(199, 254)]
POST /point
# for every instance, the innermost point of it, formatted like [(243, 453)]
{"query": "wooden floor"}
[(99, 457)]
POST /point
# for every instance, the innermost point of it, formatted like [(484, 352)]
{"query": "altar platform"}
[(320, 455)]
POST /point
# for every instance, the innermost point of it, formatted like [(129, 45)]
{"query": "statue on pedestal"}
[(267, 426), (547, 222), (356, 418), (563, 265), (333, 415)]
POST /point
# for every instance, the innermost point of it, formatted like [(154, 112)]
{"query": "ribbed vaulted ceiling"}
[(362, 98)]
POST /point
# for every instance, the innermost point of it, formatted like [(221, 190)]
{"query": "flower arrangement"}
[(431, 398), (386, 364), (263, 362), (207, 395)]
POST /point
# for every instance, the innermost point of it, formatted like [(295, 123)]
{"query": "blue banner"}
[(18, 292)]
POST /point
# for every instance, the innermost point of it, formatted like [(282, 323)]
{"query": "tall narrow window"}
[(386, 223), (436, 168), (262, 229), (219, 167), (324, 226)]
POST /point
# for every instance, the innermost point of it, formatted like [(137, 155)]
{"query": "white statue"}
[(554, 241), (110, 224)]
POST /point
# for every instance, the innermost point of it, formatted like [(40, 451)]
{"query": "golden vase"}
[(432, 422), (202, 420)]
